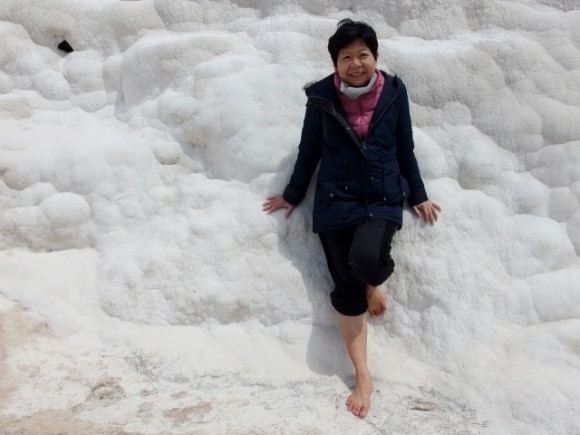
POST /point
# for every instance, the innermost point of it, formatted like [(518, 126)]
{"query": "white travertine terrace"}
[(132, 173)]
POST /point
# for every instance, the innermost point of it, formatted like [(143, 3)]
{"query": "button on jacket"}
[(358, 179)]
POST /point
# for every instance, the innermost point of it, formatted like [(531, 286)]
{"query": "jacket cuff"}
[(291, 196), (416, 198)]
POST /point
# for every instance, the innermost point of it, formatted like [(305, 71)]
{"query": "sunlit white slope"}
[(133, 171)]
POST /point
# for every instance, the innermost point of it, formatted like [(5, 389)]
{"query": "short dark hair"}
[(349, 31)]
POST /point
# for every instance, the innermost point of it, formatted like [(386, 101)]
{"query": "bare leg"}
[(354, 331), (376, 300)]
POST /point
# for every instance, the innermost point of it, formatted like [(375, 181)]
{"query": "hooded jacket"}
[(358, 179)]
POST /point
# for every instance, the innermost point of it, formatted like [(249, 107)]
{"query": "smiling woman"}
[(358, 126), (356, 64), (354, 53)]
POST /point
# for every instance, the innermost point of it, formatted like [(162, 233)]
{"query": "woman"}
[(358, 127)]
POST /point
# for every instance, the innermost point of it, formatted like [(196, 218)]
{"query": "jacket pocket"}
[(325, 192), (404, 186), (395, 189)]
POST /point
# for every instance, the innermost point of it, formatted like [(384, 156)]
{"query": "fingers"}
[(289, 211), (272, 204), (268, 206), (277, 202), (421, 212), (430, 215), (435, 210), (428, 210)]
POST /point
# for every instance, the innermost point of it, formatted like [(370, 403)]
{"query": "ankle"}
[(362, 374)]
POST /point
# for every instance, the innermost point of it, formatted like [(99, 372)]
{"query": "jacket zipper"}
[(328, 107)]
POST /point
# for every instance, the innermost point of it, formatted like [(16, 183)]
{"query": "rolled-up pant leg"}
[(357, 256), (349, 295)]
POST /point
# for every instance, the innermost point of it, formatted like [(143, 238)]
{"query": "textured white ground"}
[(142, 289)]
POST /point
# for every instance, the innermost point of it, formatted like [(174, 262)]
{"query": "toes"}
[(377, 311), (349, 403), (358, 408)]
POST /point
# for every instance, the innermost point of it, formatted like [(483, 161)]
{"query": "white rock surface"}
[(160, 299)]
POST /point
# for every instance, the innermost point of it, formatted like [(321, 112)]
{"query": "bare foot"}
[(376, 300), (359, 401)]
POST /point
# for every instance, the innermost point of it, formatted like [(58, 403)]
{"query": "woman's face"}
[(356, 64)]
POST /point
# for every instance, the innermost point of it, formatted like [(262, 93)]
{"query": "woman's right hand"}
[(274, 203)]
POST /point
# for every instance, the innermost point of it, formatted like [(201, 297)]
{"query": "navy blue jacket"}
[(357, 180)]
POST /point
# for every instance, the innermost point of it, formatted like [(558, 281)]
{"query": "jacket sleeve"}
[(405, 150), (309, 154)]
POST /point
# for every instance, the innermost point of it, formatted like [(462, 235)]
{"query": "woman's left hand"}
[(428, 210)]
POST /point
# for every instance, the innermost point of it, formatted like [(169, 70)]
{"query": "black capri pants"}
[(358, 256)]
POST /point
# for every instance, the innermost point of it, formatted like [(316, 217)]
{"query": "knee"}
[(375, 275), (363, 260)]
